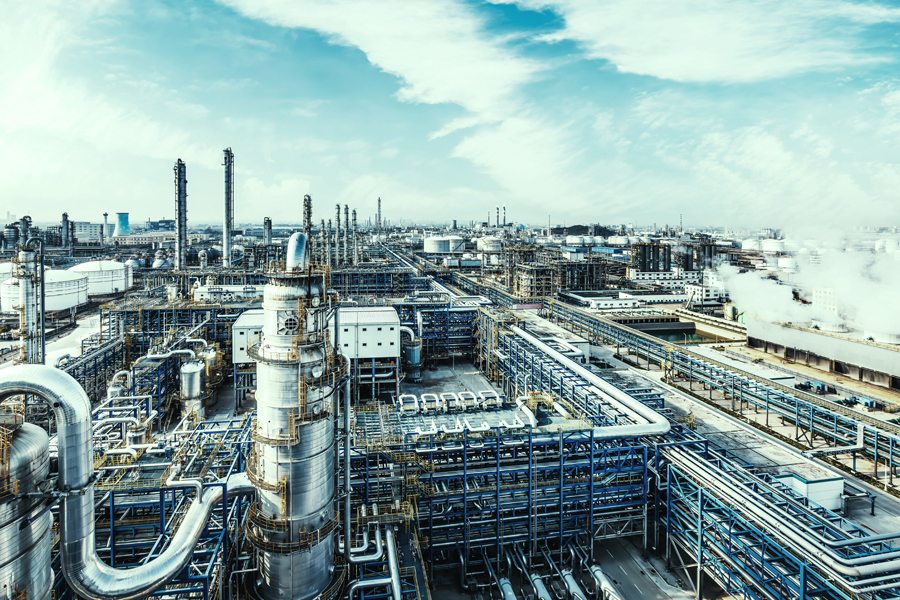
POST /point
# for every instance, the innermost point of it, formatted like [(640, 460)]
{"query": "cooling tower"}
[(122, 226)]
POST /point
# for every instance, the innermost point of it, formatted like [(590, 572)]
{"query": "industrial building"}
[(348, 412)]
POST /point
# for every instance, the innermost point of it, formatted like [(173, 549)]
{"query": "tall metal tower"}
[(228, 224), (337, 235), (180, 215), (105, 232), (307, 215), (378, 218), (294, 520), (346, 235)]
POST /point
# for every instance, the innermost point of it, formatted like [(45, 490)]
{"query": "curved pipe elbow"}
[(89, 576), (297, 257)]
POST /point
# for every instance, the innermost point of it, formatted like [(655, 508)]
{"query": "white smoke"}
[(864, 286)]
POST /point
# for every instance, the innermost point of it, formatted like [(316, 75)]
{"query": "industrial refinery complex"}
[(344, 407)]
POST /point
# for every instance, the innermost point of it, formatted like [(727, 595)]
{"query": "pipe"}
[(112, 420), (129, 451), (845, 567), (393, 565), (65, 357), (195, 341), (412, 334), (462, 571), (112, 381), (186, 351), (361, 584), (85, 572), (503, 583), (607, 590), (656, 424)]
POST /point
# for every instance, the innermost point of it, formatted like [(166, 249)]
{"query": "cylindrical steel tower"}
[(228, 223), (294, 521), (328, 245), (346, 235), (65, 230), (30, 309), (355, 241), (337, 235), (180, 215), (267, 231)]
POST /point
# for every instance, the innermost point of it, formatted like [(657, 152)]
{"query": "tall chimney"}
[(324, 257), (346, 235), (337, 235), (378, 218), (504, 216), (65, 230), (181, 215), (228, 224), (498, 216), (355, 241), (105, 231)]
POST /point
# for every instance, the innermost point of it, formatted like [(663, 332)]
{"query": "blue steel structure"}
[(138, 513), (705, 529), (811, 415)]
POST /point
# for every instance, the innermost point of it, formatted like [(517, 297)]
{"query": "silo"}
[(456, 244)]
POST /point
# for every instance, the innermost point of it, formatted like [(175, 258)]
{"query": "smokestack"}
[(181, 215), (337, 235), (504, 216), (105, 231), (307, 215), (65, 230), (355, 241), (346, 235), (267, 231), (324, 258), (498, 216), (228, 224)]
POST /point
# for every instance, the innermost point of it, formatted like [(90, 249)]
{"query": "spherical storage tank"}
[(62, 290), (105, 276)]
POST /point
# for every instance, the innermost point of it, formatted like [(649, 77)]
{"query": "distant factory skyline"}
[(740, 114)]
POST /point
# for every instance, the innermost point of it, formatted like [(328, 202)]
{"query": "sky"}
[(745, 113)]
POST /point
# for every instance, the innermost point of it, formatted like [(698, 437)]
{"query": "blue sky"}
[(752, 113)]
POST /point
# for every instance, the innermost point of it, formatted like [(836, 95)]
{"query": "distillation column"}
[(228, 224), (267, 231), (346, 234), (355, 241), (328, 245), (30, 309), (180, 215), (294, 523)]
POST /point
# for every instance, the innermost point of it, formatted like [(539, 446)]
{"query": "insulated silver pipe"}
[(89, 576), (607, 590), (656, 424), (393, 565), (503, 583)]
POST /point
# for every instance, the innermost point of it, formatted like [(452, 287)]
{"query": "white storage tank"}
[(62, 290), (891, 246), (437, 245), (751, 244), (456, 244), (772, 246), (618, 240), (787, 263), (105, 276), (488, 244), (598, 240)]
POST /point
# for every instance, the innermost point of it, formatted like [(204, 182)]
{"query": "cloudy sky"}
[(731, 113)]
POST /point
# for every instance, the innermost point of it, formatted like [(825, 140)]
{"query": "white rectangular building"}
[(369, 332), (244, 333)]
